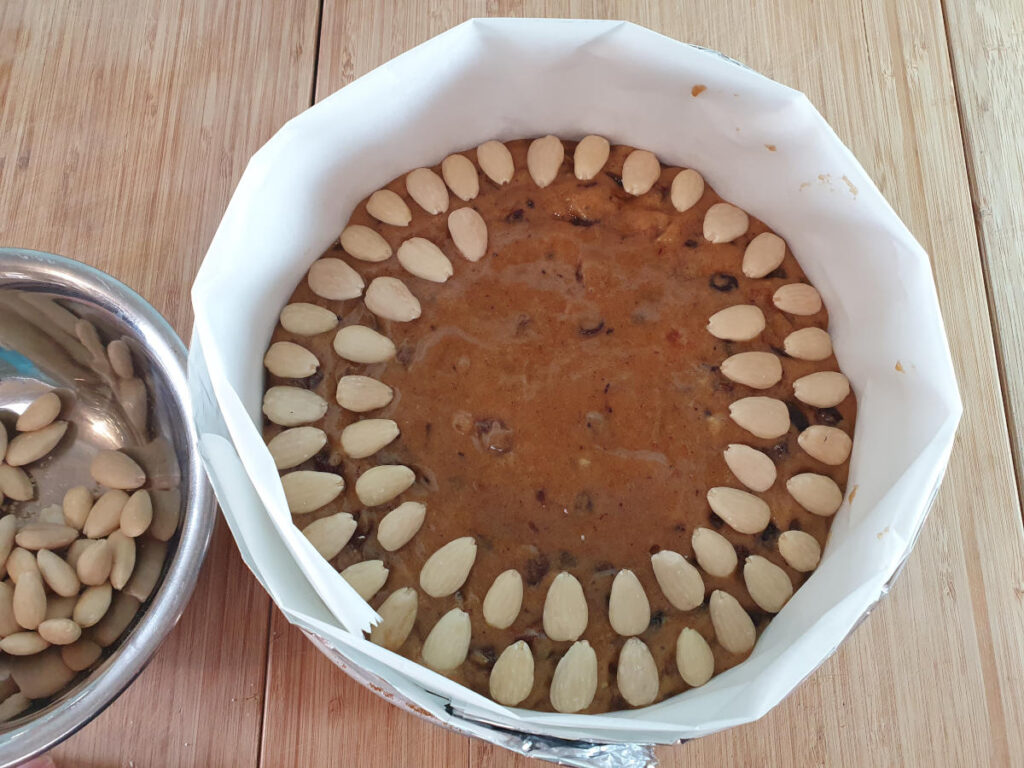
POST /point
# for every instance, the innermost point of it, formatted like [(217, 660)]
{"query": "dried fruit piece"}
[(364, 438), (94, 564), (137, 514), (391, 299), (428, 190), (798, 299), (460, 175), (58, 575), (29, 600), (290, 448), (504, 599), (76, 505), (333, 279), (366, 577), (40, 413), (752, 467), (733, 627), (399, 525), (105, 515), (360, 344), (447, 569), (741, 322), (45, 536), (743, 512), (829, 445), (115, 469), (769, 586), (694, 659), (800, 550), (629, 611), (511, 677), (80, 655), (421, 258), (32, 446), (680, 581), (812, 344), (640, 171), (544, 159), (824, 389), (59, 631), (307, 490), (469, 233), (388, 207), (495, 161), (575, 680), (687, 189), (637, 674), (590, 156), (764, 254), (361, 242), (723, 223), (305, 319), (448, 642), (379, 485), (714, 553), (360, 394), (123, 549), (565, 608), (764, 417), (758, 370), (290, 361), (398, 615), (817, 494)]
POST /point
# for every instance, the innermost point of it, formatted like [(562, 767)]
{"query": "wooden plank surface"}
[(123, 129)]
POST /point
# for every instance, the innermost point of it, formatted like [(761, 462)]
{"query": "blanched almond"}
[(758, 370), (637, 675), (80, 655), (743, 512), (40, 413), (59, 631), (360, 394), (639, 172), (742, 322), (752, 467), (290, 448), (20, 562), (379, 485), (134, 399), (23, 644), (366, 577), (460, 175), (29, 600), (123, 550), (817, 494), (32, 446), (15, 484), (290, 361), (149, 563), (687, 189), (808, 344), (8, 624), (364, 438), (824, 389), (723, 223), (829, 445), (800, 550), (76, 550), (714, 553), (565, 608), (629, 611), (733, 627), (115, 469), (448, 642), (123, 608), (8, 525), (495, 161), (330, 534), (590, 156), (93, 566), (769, 586), (13, 706), (764, 417), (428, 190), (504, 599), (544, 159), (469, 233), (45, 536), (575, 680), (398, 615), (42, 675), (680, 581), (511, 677), (120, 356), (58, 575), (798, 299), (399, 525), (307, 490), (391, 299), (76, 505), (763, 255), (360, 344), (333, 279), (305, 319), (105, 515), (137, 514), (388, 207), (447, 569), (694, 659), (421, 258)]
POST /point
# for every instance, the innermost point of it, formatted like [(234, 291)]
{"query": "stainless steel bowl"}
[(42, 297)]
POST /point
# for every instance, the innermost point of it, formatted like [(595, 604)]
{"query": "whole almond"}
[(723, 223), (94, 565), (137, 514), (8, 524), (40, 676), (769, 586), (511, 677), (307, 490), (640, 171), (120, 356), (637, 675), (398, 526), (565, 609), (680, 581), (714, 553), (92, 604), (115, 469), (575, 680), (741, 322), (495, 161), (421, 258), (824, 389), (752, 467), (544, 159), (387, 207), (59, 631), (59, 607), (105, 515), (379, 485), (80, 655), (798, 299), (504, 599), (23, 644), (45, 536), (446, 570), (8, 624), (687, 189), (764, 417), (13, 706), (389, 298), (40, 413), (743, 512), (590, 156), (759, 370), (29, 600), (448, 642), (460, 175), (19, 562), (330, 534), (292, 447), (58, 575), (733, 627), (366, 577), (293, 406), (398, 615), (694, 659), (818, 494), (304, 319), (360, 394), (32, 446), (829, 445), (812, 344), (428, 190), (629, 611), (764, 254), (149, 563), (15, 484), (76, 505), (360, 344), (469, 233), (333, 279), (75, 551), (115, 621), (123, 549), (800, 550), (290, 361), (364, 438)]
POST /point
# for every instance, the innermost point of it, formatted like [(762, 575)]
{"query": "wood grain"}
[(123, 129)]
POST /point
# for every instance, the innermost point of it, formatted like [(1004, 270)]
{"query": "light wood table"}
[(124, 125)]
